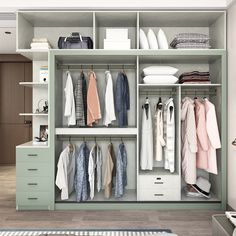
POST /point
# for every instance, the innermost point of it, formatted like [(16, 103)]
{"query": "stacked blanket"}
[(195, 77), (40, 43), (190, 40)]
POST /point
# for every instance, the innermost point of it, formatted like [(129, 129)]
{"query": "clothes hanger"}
[(146, 106), (159, 104), (121, 139), (71, 146)]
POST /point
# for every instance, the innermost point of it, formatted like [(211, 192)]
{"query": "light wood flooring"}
[(183, 223)]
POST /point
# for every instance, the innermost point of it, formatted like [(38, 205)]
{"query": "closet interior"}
[(147, 188)]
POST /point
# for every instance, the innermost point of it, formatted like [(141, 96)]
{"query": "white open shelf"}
[(33, 114), (96, 131), (33, 144), (34, 84), (34, 54)]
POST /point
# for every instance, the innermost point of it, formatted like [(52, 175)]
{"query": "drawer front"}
[(160, 195), (33, 199), (159, 182), (33, 184), (32, 155), (33, 170)]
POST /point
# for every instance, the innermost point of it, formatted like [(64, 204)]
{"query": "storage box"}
[(43, 74), (117, 45), (116, 34)]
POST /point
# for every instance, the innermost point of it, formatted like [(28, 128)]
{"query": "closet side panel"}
[(231, 105)]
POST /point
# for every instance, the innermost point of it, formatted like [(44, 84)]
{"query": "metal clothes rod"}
[(96, 66), (95, 138)]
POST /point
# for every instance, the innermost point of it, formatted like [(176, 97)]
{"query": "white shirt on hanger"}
[(66, 173), (70, 101), (109, 111)]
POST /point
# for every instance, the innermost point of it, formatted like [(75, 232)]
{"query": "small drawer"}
[(33, 184), (33, 199), (161, 195), (159, 181), (32, 155), (33, 170)]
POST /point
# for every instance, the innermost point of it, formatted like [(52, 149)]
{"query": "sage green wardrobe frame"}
[(93, 23)]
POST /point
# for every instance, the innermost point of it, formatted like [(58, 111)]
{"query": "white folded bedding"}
[(160, 79)]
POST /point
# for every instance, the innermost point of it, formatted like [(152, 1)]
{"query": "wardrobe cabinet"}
[(155, 189)]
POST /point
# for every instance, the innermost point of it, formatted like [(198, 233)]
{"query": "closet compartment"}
[(115, 20), (153, 93), (102, 141), (75, 63), (213, 94), (211, 23), (186, 61), (50, 25)]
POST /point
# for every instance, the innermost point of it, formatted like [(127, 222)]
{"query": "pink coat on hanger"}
[(213, 136), (202, 137)]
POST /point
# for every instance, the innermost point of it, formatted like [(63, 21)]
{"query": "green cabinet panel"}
[(32, 155), (39, 199), (33, 184), (33, 170)]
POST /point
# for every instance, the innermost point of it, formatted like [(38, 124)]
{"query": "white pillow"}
[(162, 40), (152, 40), (143, 42), (160, 79), (160, 70)]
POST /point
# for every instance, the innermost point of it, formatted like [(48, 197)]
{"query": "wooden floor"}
[(183, 223)]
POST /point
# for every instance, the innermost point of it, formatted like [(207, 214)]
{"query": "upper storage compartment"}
[(51, 25), (116, 20), (211, 23)]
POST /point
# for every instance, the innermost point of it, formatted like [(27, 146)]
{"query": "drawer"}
[(33, 169), (32, 155), (159, 195), (33, 184), (159, 181), (33, 199)]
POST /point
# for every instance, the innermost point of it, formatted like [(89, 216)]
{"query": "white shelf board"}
[(213, 198), (33, 114), (34, 84), (179, 85), (129, 196), (96, 131), (34, 54), (31, 144)]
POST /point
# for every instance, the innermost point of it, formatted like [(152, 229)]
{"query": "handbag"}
[(75, 41)]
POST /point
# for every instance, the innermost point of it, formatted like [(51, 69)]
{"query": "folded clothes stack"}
[(195, 77), (40, 43), (160, 75), (190, 41)]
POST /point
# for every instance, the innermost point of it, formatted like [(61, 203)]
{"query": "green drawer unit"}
[(33, 170), (33, 184), (34, 200), (32, 155)]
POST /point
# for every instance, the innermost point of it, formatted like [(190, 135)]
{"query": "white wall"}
[(12, 5), (232, 105)]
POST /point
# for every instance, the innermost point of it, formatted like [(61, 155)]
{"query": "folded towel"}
[(40, 40), (192, 46), (195, 73), (40, 46), (189, 38)]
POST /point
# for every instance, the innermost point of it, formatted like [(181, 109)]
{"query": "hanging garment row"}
[(82, 105), (200, 137), (80, 169), (164, 135)]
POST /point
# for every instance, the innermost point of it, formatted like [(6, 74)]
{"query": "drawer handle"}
[(158, 178), (32, 198), (32, 155), (158, 182), (32, 169), (32, 184), (158, 194)]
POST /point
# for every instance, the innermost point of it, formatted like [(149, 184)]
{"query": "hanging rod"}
[(95, 138), (96, 66)]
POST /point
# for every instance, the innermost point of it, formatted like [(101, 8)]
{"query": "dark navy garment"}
[(122, 101), (81, 174), (121, 171)]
